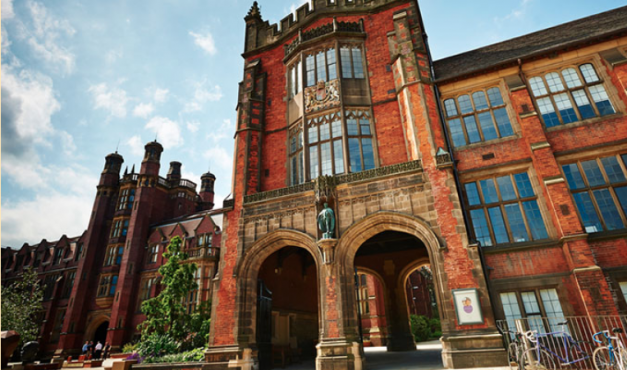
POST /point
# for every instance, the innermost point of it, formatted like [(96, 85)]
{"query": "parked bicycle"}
[(515, 349), (543, 355), (612, 356)]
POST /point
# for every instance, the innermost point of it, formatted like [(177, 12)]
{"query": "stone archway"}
[(95, 323), (247, 284), (356, 235)]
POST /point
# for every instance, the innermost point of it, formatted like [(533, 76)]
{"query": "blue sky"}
[(82, 78)]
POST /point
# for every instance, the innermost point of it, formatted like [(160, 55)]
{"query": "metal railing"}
[(570, 345)]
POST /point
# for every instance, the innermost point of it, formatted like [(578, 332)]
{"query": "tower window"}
[(352, 62), (320, 66)]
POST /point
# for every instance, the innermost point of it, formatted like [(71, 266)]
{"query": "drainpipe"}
[(458, 184)]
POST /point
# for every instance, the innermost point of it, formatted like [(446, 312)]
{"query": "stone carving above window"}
[(324, 95)]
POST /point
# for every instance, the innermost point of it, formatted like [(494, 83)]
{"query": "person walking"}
[(85, 347), (98, 350)]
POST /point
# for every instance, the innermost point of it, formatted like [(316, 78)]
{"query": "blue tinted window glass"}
[(471, 128), (573, 176), (489, 191), (583, 103), (480, 225), (311, 73), (313, 134), (332, 64), (365, 126), (345, 59), (516, 223), (351, 124), (502, 121), (534, 219), (588, 214), (114, 283), (593, 173), (602, 100), (506, 188), (608, 209), (473, 193), (339, 156), (498, 225), (565, 107), (612, 169), (456, 132), (324, 131), (480, 100), (358, 64), (313, 162), (487, 126), (495, 97), (353, 153), (451, 109), (368, 154), (320, 67), (621, 194), (464, 104), (524, 185)]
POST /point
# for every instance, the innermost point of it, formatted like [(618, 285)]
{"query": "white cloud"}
[(517, 13), (219, 156), (223, 131), (112, 99), (67, 142), (7, 9), (202, 95), (143, 110), (193, 126), (161, 95), (112, 56), (31, 104), (43, 37), (205, 42), (168, 132), (136, 145)]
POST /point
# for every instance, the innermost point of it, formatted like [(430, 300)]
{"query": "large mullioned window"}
[(570, 95), (333, 144), (107, 285), (599, 188), (352, 62), (479, 116), (505, 210), (127, 197), (320, 65), (534, 305)]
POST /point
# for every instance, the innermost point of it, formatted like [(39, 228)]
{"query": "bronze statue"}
[(326, 222)]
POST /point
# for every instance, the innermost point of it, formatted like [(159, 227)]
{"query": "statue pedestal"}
[(328, 249)]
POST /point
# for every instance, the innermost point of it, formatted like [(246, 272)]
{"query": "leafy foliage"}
[(168, 328), (424, 328), (21, 301), (129, 347), (194, 355), (166, 313)]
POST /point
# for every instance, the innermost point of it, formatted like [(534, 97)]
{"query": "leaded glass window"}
[(573, 94), (478, 116), (505, 210)]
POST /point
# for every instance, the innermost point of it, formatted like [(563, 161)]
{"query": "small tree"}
[(166, 312), (21, 301)]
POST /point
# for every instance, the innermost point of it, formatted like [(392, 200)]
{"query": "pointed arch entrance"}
[(278, 291)]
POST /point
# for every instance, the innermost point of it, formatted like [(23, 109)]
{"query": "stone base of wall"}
[(229, 357), (337, 355), (474, 350)]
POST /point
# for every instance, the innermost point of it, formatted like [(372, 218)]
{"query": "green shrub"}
[(436, 328), (129, 347), (157, 345), (195, 355), (420, 328)]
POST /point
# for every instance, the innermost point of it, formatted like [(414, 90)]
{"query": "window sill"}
[(486, 143), (607, 235), (514, 247), (585, 122)]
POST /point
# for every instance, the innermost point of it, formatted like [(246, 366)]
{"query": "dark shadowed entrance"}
[(288, 307), (100, 335)]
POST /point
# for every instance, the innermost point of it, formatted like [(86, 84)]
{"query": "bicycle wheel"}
[(512, 355), (621, 358), (602, 359), (577, 351), (531, 361)]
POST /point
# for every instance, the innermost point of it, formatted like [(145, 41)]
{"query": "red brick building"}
[(95, 283), (502, 168)]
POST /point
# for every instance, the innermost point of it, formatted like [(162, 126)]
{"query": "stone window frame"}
[(603, 80), (317, 71), (105, 283), (548, 322), (621, 156), (537, 197), (351, 62), (153, 253), (145, 290), (112, 254), (58, 256), (193, 297), (363, 296), (459, 115), (296, 154)]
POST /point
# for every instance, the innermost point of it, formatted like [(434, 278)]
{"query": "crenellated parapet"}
[(260, 33)]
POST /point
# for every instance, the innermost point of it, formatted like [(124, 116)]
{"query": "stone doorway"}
[(100, 335), (389, 258), (290, 277)]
